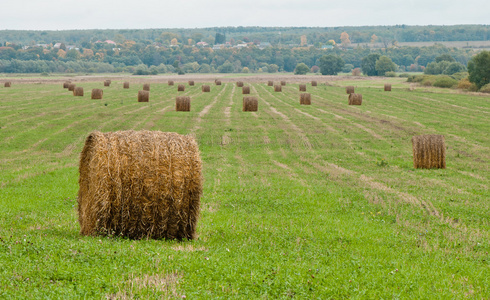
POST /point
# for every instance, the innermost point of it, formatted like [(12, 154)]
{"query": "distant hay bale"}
[(78, 91), (8, 84), (206, 89), (250, 103), (97, 93), (146, 87), (170, 82), (126, 85), (270, 83), (191, 82), (277, 88), (71, 87), (429, 152), (217, 82), (387, 87), (139, 184), (239, 83), (107, 83), (302, 87), (283, 83), (65, 84), (355, 99), (245, 90), (183, 103), (314, 83), (349, 89), (305, 99), (181, 88), (143, 96)]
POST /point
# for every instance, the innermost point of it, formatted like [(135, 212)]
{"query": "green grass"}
[(317, 201)]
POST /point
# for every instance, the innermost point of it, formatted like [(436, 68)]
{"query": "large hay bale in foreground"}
[(206, 89), (250, 103), (429, 151), (71, 87), (387, 87), (277, 88), (217, 82), (355, 99), (191, 82), (302, 87), (245, 90), (139, 184), (143, 96), (305, 99), (78, 91), (314, 83), (349, 89), (97, 93), (107, 83), (239, 83), (270, 83), (126, 85), (181, 88), (183, 103), (283, 83), (66, 84), (146, 87), (7, 84)]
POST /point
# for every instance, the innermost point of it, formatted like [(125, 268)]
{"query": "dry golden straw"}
[(146, 87), (314, 83), (183, 103), (349, 89), (302, 87), (305, 99), (387, 87), (107, 83), (245, 90), (71, 87), (78, 91), (170, 82), (277, 88), (181, 88), (8, 84), (139, 184), (429, 151), (206, 89), (126, 85), (355, 99), (270, 83), (143, 96), (283, 83), (97, 93), (65, 84), (239, 83), (250, 103)]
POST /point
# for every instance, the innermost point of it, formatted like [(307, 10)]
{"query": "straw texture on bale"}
[(206, 88), (146, 87), (349, 89), (355, 99), (302, 87), (181, 88), (107, 83), (217, 82), (305, 99), (143, 96), (139, 184), (191, 82), (270, 83), (239, 83), (97, 93), (71, 87), (283, 82), (314, 83), (126, 85), (250, 103), (78, 91), (170, 82), (65, 84), (245, 90), (387, 87), (277, 88), (183, 103), (429, 151), (8, 84)]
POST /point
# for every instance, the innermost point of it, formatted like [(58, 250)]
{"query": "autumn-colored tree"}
[(303, 40), (88, 53), (190, 42), (374, 38), (331, 42), (344, 39), (61, 53), (174, 42)]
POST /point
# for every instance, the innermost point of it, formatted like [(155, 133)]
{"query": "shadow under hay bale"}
[(170, 82), (191, 82), (355, 99), (66, 84), (239, 83), (429, 151), (277, 88), (349, 89), (107, 83), (245, 90), (305, 99), (97, 93), (183, 103), (181, 88), (217, 82), (387, 87), (314, 83), (206, 89), (146, 87), (78, 91), (139, 184), (270, 83), (250, 103), (71, 87), (143, 96), (302, 87), (126, 85)]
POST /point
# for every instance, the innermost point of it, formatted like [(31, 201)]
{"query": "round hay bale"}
[(139, 184), (270, 83), (170, 82), (7, 84), (71, 87), (206, 89), (143, 96), (239, 83), (429, 152), (283, 83), (97, 93), (146, 87), (107, 83), (387, 87), (305, 99), (65, 84), (302, 87), (314, 83), (191, 82), (183, 103), (181, 88), (250, 103), (217, 82), (245, 90), (277, 88), (78, 91), (349, 89), (126, 85), (355, 99)]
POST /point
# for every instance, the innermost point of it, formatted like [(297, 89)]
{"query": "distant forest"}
[(240, 49)]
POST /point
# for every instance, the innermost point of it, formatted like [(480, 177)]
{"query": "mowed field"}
[(304, 202)]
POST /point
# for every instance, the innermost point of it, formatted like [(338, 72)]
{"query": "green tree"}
[(479, 69), (331, 64), (368, 64), (301, 69), (445, 57), (384, 64), (219, 38), (454, 67)]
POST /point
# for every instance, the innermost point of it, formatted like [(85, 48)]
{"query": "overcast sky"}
[(131, 14)]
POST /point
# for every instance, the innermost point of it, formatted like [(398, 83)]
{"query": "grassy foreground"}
[(317, 201)]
